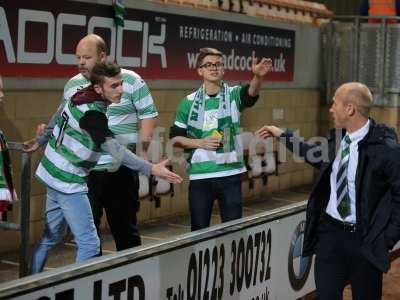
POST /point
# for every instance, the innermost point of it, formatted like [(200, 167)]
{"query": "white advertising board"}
[(254, 263)]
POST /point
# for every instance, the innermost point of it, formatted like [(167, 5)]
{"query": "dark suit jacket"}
[(377, 189)]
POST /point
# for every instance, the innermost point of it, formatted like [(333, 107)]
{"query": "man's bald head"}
[(95, 40), (90, 51), (357, 94)]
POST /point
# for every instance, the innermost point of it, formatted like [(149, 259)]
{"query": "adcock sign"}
[(38, 39)]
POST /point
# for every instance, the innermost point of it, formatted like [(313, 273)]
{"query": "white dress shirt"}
[(331, 209)]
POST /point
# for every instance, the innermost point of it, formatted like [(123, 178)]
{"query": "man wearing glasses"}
[(207, 126)]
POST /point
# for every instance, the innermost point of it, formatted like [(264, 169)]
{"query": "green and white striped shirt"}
[(70, 153), (136, 104), (203, 163)]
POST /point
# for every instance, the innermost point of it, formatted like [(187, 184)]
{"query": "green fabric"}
[(70, 153), (119, 12), (342, 187), (60, 174), (71, 156), (188, 116)]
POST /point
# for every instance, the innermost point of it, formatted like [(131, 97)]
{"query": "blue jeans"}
[(74, 210), (202, 193)]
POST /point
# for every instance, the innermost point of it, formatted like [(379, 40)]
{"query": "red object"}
[(86, 95), (382, 8), (4, 205), (157, 45)]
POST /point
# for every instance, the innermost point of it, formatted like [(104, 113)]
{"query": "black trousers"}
[(202, 193), (116, 193), (339, 261)]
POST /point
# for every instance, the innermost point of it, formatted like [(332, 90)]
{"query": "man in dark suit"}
[(353, 213)]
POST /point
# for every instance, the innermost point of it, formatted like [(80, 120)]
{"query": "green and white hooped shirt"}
[(70, 153), (136, 104), (205, 163)]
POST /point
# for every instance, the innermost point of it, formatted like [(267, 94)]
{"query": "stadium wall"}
[(294, 104)]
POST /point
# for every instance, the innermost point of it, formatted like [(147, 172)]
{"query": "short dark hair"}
[(103, 69), (203, 52)]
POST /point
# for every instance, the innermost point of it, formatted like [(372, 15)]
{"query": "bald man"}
[(112, 187), (353, 212)]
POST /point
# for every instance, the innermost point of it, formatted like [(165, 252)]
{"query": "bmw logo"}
[(298, 266)]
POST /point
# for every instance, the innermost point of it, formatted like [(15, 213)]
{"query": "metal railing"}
[(355, 50), (24, 223)]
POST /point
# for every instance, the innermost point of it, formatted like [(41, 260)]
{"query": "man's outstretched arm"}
[(95, 124), (44, 134), (290, 140)]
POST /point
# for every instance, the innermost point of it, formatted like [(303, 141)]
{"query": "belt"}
[(344, 226)]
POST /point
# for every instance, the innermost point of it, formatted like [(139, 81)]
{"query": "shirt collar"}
[(359, 134)]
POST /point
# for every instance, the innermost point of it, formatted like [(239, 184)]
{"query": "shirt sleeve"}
[(177, 131), (96, 125), (143, 101), (45, 136), (182, 113), (240, 94), (245, 99), (127, 158)]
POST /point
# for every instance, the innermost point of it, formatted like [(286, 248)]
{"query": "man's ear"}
[(103, 56), (200, 72), (351, 109), (98, 89)]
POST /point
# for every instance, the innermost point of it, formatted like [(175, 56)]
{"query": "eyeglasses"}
[(211, 66)]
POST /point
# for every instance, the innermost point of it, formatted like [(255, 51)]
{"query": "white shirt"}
[(331, 209)]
